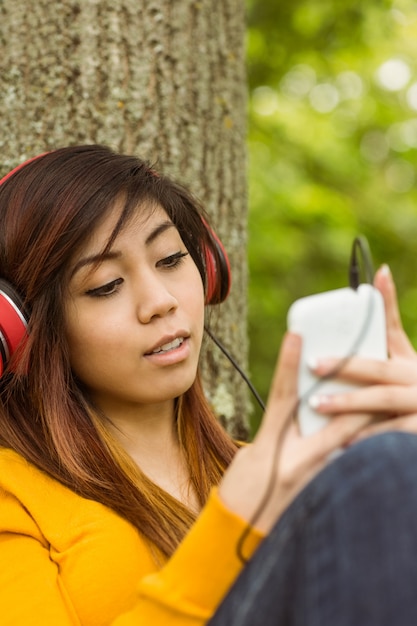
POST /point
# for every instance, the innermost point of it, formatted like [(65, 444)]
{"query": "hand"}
[(279, 452), (390, 393)]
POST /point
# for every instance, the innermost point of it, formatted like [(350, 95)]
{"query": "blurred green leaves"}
[(333, 152)]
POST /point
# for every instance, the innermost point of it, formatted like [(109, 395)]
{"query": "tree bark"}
[(162, 79)]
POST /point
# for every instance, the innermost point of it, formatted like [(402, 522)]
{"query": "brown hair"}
[(48, 208)]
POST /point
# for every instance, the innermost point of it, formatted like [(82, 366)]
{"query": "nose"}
[(154, 299)]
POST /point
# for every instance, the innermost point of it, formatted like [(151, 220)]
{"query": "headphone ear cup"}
[(13, 323), (219, 275)]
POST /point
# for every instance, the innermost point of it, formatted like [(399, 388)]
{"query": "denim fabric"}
[(344, 553)]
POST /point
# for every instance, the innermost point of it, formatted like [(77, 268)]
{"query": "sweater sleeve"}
[(188, 589), (184, 592)]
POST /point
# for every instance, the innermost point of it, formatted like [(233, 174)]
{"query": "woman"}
[(122, 500)]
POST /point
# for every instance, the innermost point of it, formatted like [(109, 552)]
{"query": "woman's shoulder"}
[(17, 474), (24, 485), (14, 468), (66, 545), (11, 457), (26, 490)]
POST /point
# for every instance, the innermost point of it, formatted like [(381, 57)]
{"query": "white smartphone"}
[(339, 323)]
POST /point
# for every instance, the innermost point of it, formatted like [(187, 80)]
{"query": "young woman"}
[(122, 501)]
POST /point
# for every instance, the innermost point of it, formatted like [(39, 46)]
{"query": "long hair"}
[(48, 209)]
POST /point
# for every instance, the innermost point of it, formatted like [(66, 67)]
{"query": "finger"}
[(284, 382), (398, 342), (377, 399), (404, 424), (305, 456), (336, 435), (368, 371), (283, 392)]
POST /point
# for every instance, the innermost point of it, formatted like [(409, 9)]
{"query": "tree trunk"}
[(160, 78)]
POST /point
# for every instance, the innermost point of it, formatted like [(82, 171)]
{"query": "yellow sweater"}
[(68, 561)]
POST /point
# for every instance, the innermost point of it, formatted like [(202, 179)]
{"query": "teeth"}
[(169, 346)]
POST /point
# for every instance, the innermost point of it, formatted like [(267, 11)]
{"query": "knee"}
[(380, 467), (393, 447)]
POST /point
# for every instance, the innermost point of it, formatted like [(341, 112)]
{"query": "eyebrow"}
[(115, 254), (158, 231)]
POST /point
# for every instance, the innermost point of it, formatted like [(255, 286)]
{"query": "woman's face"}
[(135, 321)]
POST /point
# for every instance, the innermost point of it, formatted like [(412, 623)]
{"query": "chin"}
[(175, 389)]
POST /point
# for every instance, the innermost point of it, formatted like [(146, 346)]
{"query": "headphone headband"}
[(20, 166)]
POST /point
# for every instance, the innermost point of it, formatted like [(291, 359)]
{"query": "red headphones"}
[(14, 320), (219, 275), (13, 323)]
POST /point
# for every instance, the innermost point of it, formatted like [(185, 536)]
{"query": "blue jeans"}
[(344, 553)]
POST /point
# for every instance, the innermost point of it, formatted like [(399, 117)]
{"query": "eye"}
[(105, 290), (172, 261)]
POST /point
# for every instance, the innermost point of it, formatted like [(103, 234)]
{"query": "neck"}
[(145, 431), (150, 437)]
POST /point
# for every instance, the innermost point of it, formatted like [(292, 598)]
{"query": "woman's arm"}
[(81, 580)]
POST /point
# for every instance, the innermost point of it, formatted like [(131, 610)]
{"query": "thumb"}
[(282, 398), (398, 342)]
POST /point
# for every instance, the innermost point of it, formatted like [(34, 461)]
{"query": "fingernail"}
[(323, 363), (318, 401), (385, 270), (312, 362)]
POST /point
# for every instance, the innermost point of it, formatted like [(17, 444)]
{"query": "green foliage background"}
[(333, 149)]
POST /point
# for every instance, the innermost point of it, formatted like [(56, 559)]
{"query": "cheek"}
[(93, 359), (86, 340), (79, 350), (193, 294)]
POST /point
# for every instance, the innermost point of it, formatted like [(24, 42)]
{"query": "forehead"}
[(138, 222)]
